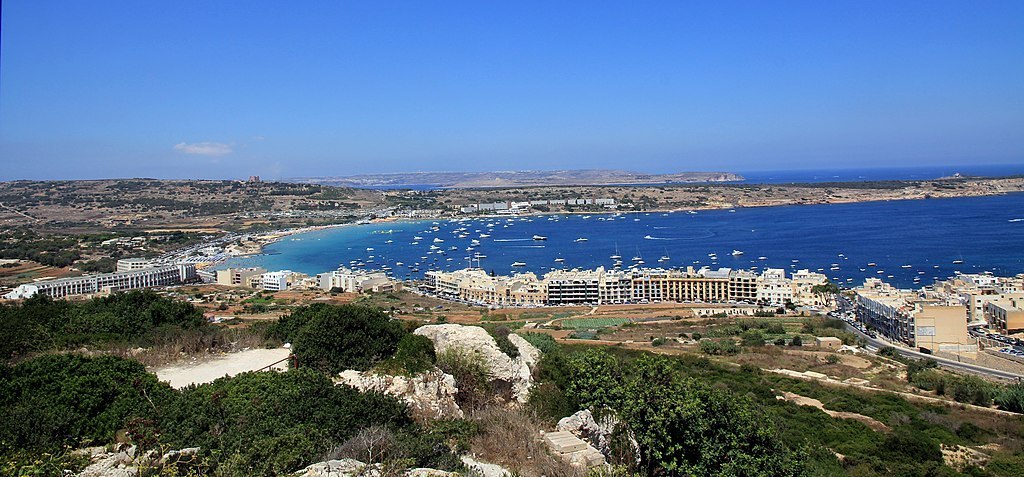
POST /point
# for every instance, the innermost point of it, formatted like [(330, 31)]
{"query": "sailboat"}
[(616, 256)]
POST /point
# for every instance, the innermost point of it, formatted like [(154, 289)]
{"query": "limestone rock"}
[(339, 468), (116, 464), (517, 372), (430, 394), (355, 468), (583, 425), (484, 469)]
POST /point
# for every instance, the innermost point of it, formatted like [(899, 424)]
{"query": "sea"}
[(909, 243)]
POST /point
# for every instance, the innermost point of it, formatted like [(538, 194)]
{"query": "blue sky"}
[(200, 89)]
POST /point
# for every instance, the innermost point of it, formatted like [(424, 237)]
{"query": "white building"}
[(275, 281), (129, 264), (773, 288), (165, 275)]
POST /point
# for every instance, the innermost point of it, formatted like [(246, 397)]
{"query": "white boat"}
[(369, 249), (417, 238), (637, 259), (957, 262), (539, 237), (438, 240), (664, 258), (762, 258), (905, 266), (581, 239), (872, 264), (559, 259), (518, 264), (737, 253)]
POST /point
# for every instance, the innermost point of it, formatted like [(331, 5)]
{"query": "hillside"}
[(517, 178)]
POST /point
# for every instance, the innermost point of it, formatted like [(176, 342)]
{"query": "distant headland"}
[(576, 177)]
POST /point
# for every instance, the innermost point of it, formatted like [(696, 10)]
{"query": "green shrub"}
[(56, 400), (332, 339), (543, 342), (415, 355), (752, 338), (472, 374), (1011, 397), (500, 334), (724, 346)]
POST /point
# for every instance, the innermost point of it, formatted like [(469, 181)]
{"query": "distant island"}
[(459, 180)]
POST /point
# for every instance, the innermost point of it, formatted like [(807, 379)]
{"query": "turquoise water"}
[(905, 239)]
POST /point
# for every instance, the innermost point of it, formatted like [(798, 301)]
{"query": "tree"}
[(332, 339), (593, 379), (684, 427), (826, 292)]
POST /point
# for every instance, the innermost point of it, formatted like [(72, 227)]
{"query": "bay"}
[(903, 239)]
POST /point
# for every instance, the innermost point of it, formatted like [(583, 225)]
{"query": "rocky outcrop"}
[(484, 469), (517, 372), (126, 461), (596, 432), (355, 468), (430, 395)]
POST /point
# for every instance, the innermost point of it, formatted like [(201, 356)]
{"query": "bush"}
[(415, 355), (724, 346), (135, 318), (56, 400), (500, 334), (332, 339), (276, 422), (472, 374), (752, 338), (796, 341), (543, 342), (1011, 398)]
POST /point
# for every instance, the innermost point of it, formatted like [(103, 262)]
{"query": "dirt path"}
[(179, 376), (806, 401)]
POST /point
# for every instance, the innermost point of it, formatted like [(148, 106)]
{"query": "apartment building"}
[(574, 287), (1005, 313), (908, 317), (355, 281), (680, 286), (165, 275), (238, 276)]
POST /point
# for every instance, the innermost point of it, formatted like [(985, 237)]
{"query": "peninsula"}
[(456, 180)]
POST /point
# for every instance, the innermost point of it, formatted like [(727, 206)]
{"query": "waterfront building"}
[(574, 287), (238, 276), (803, 282), (165, 275), (355, 281), (275, 281), (743, 286), (703, 286), (773, 288)]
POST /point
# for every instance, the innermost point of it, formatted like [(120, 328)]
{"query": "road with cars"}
[(871, 338)]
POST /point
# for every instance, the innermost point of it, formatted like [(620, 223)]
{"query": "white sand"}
[(179, 376)]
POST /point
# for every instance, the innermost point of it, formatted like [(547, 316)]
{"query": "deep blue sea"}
[(904, 239)]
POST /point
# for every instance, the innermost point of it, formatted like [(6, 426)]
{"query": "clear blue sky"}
[(223, 89)]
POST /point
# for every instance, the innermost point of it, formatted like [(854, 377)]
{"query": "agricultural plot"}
[(589, 323)]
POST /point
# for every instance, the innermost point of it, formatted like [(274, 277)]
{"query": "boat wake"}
[(513, 240)]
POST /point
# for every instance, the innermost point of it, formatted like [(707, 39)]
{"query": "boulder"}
[(582, 424), (517, 372), (340, 468), (114, 464), (484, 469), (355, 468), (429, 395)]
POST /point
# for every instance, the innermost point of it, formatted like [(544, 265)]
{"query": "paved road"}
[(950, 363)]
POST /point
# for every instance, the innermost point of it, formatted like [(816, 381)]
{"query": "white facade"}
[(275, 281), (150, 277), (129, 264)]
